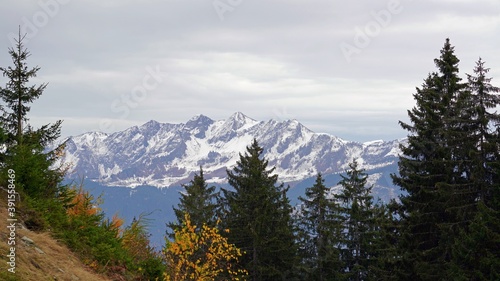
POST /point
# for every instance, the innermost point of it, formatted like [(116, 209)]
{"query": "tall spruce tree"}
[(25, 145), (257, 214), (358, 218), (476, 251), (319, 229), (433, 170), (199, 201), (485, 100)]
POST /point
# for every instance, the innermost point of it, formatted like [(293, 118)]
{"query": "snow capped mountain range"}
[(162, 154)]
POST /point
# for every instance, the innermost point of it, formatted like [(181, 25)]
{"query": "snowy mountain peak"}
[(239, 121), (294, 124), (198, 125), (199, 121), (89, 139), (200, 118), (374, 142), (150, 125), (163, 154), (239, 116), (96, 135)]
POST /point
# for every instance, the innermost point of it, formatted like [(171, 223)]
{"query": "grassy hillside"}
[(45, 259)]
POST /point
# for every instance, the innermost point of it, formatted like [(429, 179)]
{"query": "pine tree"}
[(319, 231), (358, 218), (17, 96), (433, 170), (476, 251), (198, 201), (26, 146), (485, 99), (257, 213)]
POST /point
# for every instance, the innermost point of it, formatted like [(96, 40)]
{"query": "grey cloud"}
[(268, 59)]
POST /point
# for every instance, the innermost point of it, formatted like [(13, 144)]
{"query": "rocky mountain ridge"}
[(164, 154)]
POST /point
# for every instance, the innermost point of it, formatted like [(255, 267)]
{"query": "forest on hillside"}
[(445, 226)]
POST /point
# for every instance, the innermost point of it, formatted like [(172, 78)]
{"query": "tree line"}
[(445, 226)]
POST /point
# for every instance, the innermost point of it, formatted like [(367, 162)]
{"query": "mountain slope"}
[(38, 256), (162, 154)]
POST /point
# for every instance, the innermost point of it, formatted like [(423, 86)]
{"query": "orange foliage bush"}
[(82, 203)]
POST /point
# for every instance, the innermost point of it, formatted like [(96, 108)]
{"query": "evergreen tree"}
[(476, 251), (198, 201), (485, 100), (385, 256), (26, 146), (319, 231), (17, 96), (257, 213), (435, 171), (358, 218)]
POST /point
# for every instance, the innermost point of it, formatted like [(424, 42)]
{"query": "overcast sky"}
[(348, 68)]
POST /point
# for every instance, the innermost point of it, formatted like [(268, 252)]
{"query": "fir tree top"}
[(17, 94)]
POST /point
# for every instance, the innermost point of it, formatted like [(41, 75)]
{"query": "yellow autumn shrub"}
[(201, 256)]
